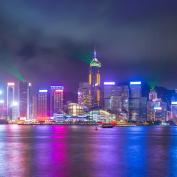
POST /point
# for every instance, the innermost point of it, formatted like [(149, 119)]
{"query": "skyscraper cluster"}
[(20, 102), (127, 101), (49, 102)]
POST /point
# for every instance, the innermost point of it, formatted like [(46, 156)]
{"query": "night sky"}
[(51, 41)]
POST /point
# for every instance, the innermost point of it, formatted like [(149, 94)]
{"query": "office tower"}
[(2, 104), (152, 102), (43, 105), (116, 99), (152, 95), (124, 107), (25, 100), (174, 111), (15, 110), (84, 95), (156, 108), (160, 110), (135, 101), (34, 106), (56, 100), (94, 82), (143, 109), (109, 92), (10, 98)]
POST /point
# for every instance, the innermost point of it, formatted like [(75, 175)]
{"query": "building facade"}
[(75, 109), (2, 105), (56, 100), (10, 99), (84, 95), (43, 105), (135, 101), (156, 108), (116, 99), (95, 82), (174, 111), (25, 100)]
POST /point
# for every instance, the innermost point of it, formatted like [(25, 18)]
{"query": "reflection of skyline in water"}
[(74, 151)]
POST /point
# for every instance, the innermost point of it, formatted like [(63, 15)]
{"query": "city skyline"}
[(88, 88), (45, 48), (97, 100)]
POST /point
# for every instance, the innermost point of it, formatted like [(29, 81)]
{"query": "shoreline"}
[(57, 124)]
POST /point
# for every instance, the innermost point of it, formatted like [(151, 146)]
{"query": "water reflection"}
[(73, 151)]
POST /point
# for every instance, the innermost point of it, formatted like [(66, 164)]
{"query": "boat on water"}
[(96, 128), (107, 126)]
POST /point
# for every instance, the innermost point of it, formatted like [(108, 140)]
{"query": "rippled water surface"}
[(78, 151)]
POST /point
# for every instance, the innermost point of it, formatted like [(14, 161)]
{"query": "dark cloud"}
[(50, 41)]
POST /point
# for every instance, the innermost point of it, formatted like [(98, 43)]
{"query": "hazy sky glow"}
[(52, 40)]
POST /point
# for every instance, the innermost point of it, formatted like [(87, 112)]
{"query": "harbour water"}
[(82, 151)]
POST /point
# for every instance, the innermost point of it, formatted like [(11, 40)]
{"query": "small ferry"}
[(107, 126)]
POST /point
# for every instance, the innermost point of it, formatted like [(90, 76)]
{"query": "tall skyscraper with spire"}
[(95, 81)]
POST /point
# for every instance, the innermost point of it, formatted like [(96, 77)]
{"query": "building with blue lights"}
[(137, 103)]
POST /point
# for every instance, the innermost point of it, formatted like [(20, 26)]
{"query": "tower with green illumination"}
[(95, 81)]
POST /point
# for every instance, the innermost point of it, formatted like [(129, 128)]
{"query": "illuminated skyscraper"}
[(2, 104), (34, 106), (25, 99), (156, 108), (56, 100), (43, 105), (84, 95), (116, 99), (174, 111), (152, 95), (10, 98), (135, 100), (109, 88), (95, 81), (123, 92)]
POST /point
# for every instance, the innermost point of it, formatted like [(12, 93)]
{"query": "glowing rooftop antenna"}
[(94, 53)]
